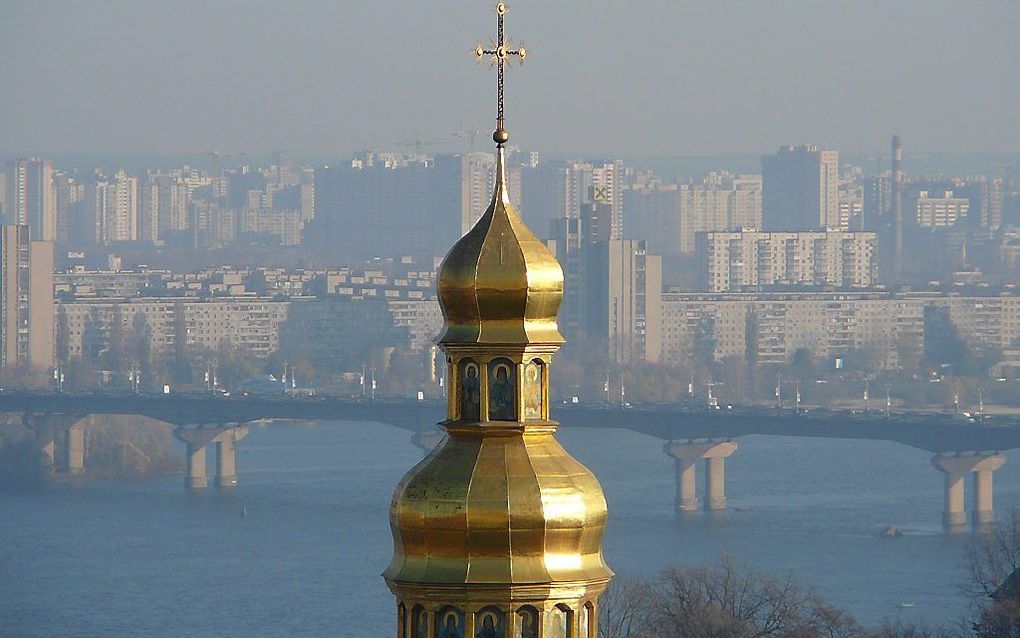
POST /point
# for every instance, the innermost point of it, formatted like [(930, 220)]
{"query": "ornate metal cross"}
[(499, 54)]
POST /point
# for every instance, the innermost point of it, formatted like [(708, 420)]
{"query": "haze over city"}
[(331, 319), (656, 77)]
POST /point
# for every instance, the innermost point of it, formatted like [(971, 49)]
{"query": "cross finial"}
[(499, 53)]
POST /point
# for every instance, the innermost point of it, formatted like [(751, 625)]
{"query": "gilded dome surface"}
[(500, 284), (500, 508)]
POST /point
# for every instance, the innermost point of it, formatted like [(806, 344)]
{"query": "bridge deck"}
[(935, 433)]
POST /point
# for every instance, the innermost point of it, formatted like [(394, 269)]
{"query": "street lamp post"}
[(779, 390)]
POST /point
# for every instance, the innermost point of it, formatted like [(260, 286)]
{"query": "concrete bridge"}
[(960, 447)]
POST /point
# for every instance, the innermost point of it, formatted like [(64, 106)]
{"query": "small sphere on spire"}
[(500, 136)]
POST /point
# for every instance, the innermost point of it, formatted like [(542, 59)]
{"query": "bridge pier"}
[(47, 428), (49, 452), (74, 449), (196, 438), (956, 467), (686, 457), (195, 478), (226, 459)]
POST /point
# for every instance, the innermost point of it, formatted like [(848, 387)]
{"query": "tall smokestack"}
[(897, 205)]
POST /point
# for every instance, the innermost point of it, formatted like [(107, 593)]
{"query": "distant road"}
[(933, 432)]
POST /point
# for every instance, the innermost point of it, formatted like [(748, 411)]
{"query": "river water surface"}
[(149, 559)]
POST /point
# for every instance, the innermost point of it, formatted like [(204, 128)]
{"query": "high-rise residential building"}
[(148, 210), (597, 220), (624, 299), (986, 196), (601, 183), (366, 211), (68, 196), (669, 216), (800, 189), (720, 201), (570, 246), (543, 196), (754, 260), (851, 206), (477, 172), (174, 193), (607, 181), (26, 299), (286, 225), (29, 198), (653, 214), (122, 220), (99, 196), (111, 210), (611, 292), (578, 187), (877, 195), (939, 209)]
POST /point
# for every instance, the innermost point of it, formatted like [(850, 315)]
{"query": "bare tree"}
[(993, 559), (729, 601), (724, 601), (623, 609)]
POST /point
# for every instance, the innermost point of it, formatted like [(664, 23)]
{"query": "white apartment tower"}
[(30, 197)]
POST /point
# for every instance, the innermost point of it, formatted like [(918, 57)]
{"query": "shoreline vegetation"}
[(727, 600)]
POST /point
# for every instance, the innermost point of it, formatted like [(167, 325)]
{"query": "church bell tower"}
[(497, 533)]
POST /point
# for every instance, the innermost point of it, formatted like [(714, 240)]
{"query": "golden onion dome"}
[(500, 284), (505, 507)]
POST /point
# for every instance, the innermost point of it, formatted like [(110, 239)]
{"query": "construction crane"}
[(473, 134), (418, 143), (215, 156)]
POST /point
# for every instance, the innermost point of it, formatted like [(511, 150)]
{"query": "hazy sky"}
[(650, 77)]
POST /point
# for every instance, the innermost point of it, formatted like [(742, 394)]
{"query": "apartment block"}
[(940, 209), (770, 328), (753, 260), (26, 299)]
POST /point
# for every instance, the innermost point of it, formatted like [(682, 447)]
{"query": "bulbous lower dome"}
[(500, 284), (498, 509)]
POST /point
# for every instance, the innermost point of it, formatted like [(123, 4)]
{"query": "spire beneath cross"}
[(499, 53)]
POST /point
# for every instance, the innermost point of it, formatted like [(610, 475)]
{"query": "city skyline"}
[(247, 79)]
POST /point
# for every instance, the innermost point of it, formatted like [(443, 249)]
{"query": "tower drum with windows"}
[(497, 533)]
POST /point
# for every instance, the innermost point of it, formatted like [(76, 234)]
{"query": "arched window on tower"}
[(450, 623), (527, 622), (586, 627), (470, 389), (558, 621), (502, 390), (419, 622), (534, 381), (401, 621), (490, 622)]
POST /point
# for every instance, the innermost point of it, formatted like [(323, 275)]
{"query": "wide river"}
[(148, 559)]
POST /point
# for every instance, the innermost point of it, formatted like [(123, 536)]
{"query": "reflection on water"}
[(150, 559)]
